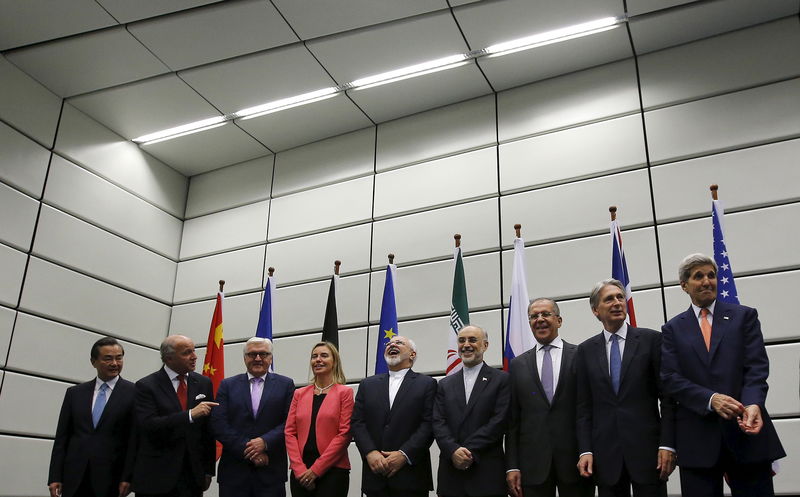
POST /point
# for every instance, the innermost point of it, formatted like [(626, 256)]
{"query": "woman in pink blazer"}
[(318, 429)]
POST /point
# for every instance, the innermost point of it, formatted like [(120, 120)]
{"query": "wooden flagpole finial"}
[(613, 211), (518, 230), (391, 258), (271, 271), (221, 284), (457, 238), (336, 265), (714, 189)]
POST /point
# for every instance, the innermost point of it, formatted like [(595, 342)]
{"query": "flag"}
[(214, 363), (459, 313), (619, 269), (518, 330), (726, 287), (388, 325), (264, 327), (330, 328)]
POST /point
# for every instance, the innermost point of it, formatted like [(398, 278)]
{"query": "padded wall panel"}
[(239, 318), (6, 326), (89, 197), (333, 206), (681, 189), (231, 186), (67, 296), (749, 117), (784, 380), (23, 162), (227, 230), (23, 473), (581, 97), (20, 217), (439, 182), (577, 208), (79, 245), (310, 257), (429, 234), (437, 133), (22, 390), (41, 346), (240, 269), (293, 355), (301, 308), (99, 149), (787, 481), (732, 61), (27, 105), (325, 162), (426, 289), (607, 146), (12, 267)]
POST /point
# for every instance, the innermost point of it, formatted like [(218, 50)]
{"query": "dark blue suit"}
[(736, 365), (234, 424)]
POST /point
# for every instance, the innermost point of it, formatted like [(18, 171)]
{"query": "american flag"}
[(726, 287)]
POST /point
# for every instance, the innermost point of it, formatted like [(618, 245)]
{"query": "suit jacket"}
[(106, 449), (166, 438), (406, 426), (626, 426), (541, 434), (333, 429), (736, 365), (234, 424), (478, 425)]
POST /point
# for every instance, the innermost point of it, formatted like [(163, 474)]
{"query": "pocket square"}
[(200, 396)]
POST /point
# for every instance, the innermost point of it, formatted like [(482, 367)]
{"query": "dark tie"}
[(99, 404), (547, 373), (616, 362), (182, 391)]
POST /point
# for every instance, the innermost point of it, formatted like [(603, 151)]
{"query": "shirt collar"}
[(557, 343), (250, 376), (111, 383), (399, 374), (710, 308), (622, 332), (172, 374), (472, 371)]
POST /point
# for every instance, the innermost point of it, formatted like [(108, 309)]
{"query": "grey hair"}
[(167, 347), (413, 346), (690, 262), (485, 335), (545, 299), (259, 341), (594, 297)]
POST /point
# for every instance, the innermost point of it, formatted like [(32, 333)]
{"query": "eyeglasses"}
[(263, 355), (537, 315), (468, 339)]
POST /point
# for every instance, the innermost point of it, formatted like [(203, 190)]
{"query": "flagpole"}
[(271, 272), (714, 189), (336, 265), (613, 211), (221, 284)]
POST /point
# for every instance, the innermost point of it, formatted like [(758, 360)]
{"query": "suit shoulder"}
[(590, 341), (515, 362), (647, 332), (283, 379)]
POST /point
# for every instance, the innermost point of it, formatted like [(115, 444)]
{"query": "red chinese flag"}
[(214, 364)]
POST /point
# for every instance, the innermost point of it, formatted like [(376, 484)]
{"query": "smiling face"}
[(701, 285), (108, 362), (322, 361), (544, 321), (398, 353), (471, 345), (611, 307)]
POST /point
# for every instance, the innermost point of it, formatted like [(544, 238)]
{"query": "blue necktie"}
[(547, 373), (99, 404), (616, 362)]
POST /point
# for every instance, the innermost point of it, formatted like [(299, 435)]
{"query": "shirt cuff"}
[(510, 470), (667, 448), (585, 454), (406, 456), (190, 416), (709, 401)]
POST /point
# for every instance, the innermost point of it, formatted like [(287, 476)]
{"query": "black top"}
[(310, 451)]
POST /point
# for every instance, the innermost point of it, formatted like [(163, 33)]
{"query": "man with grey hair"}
[(391, 425), (716, 366), (249, 423), (623, 439)]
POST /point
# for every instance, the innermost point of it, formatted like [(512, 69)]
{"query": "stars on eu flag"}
[(388, 334)]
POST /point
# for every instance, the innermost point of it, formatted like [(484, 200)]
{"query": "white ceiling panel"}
[(315, 18), (307, 123), (93, 61), (126, 11), (639, 7), (387, 102), (487, 23), (213, 33), (548, 61), (247, 81), (201, 152), (33, 21), (702, 20), (374, 50), (145, 107)]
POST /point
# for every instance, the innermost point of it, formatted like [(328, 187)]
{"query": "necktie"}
[(705, 327), (182, 391), (616, 362), (547, 373), (255, 393), (99, 404)]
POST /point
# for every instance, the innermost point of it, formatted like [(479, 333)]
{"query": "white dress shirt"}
[(395, 380), (470, 376), (98, 382), (622, 333)]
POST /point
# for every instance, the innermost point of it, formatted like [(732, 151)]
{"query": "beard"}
[(393, 360)]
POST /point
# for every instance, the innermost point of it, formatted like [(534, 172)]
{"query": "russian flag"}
[(518, 330)]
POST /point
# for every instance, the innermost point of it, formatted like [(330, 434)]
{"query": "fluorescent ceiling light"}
[(554, 36), (286, 103), (428, 67), (183, 130)]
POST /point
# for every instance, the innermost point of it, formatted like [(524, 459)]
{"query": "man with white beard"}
[(391, 425)]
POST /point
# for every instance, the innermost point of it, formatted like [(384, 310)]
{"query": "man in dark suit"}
[(470, 417), (541, 446), (249, 423), (715, 365), (175, 456), (92, 455), (391, 425), (623, 439)]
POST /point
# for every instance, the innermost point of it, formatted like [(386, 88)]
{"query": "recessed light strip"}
[(286, 103), (554, 36), (182, 130)]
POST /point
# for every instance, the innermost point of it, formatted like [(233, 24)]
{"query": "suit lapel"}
[(695, 336), (166, 386), (600, 358), (631, 344), (84, 400), (481, 381), (111, 403), (720, 325), (567, 355), (405, 386)]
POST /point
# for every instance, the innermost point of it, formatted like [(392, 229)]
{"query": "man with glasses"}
[(249, 423), (541, 446)]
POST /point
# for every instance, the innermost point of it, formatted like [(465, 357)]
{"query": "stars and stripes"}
[(726, 286)]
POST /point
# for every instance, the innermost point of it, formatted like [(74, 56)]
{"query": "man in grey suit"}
[(541, 446)]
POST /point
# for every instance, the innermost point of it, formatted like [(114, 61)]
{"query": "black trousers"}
[(334, 483), (623, 487), (744, 480)]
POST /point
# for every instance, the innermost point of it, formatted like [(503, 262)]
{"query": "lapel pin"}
[(484, 379), (200, 396), (725, 317)]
